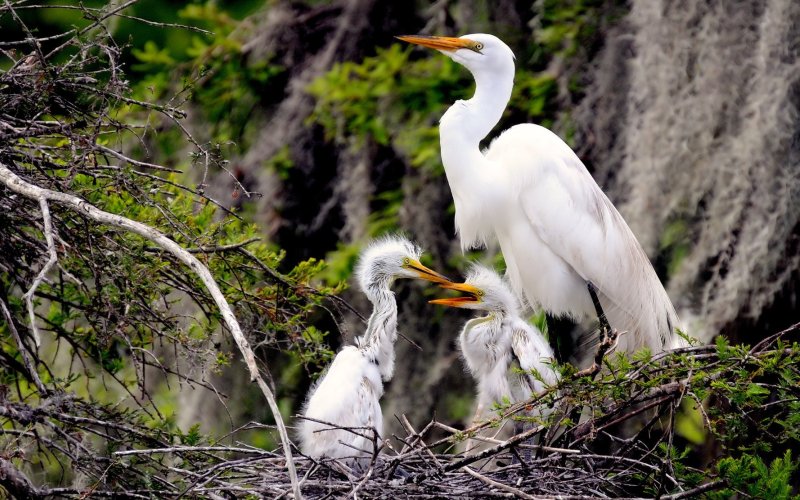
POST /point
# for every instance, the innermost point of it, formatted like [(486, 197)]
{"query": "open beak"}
[(427, 274), (472, 297), (445, 43)]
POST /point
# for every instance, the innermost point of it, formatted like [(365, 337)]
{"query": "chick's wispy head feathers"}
[(385, 259), (497, 295)]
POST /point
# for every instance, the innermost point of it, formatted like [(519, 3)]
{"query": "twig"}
[(23, 350), (479, 456), (125, 16), (694, 492), (144, 164), (500, 486), (16, 483), (214, 249), (285, 281), (487, 439), (417, 438), (179, 449), (51, 260)]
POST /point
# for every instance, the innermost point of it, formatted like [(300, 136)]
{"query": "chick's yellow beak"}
[(473, 295), (425, 273), (446, 43)]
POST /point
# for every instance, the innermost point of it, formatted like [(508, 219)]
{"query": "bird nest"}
[(515, 467), (613, 432)]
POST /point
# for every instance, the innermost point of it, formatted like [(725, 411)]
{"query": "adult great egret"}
[(558, 232), (348, 395), (493, 342)]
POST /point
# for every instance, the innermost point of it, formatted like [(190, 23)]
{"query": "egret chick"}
[(493, 342), (348, 395)]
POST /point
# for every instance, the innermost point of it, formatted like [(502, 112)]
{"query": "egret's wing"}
[(487, 359), (593, 238), (348, 395), (569, 212), (532, 352)]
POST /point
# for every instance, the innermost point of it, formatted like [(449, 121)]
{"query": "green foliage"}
[(751, 476), (217, 78), (535, 96), (152, 58), (192, 437), (689, 424), (675, 244), (281, 163), (395, 100), (563, 25), (391, 100), (565, 28), (340, 264), (539, 320), (459, 406), (745, 399)]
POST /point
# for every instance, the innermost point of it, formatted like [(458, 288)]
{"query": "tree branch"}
[(16, 483), (215, 249), (500, 486), (23, 350), (16, 184), (51, 260)]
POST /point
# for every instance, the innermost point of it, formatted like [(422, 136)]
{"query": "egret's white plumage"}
[(348, 395), (491, 344), (556, 228)]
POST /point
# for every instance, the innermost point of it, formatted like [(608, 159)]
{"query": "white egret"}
[(348, 395), (557, 230), (493, 343)]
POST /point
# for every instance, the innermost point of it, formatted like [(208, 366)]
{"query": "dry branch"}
[(29, 367), (51, 261)]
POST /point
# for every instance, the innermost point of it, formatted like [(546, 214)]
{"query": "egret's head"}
[(483, 290), (477, 52), (392, 257)]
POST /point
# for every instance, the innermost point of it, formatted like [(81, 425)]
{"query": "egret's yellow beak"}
[(445, 43), (473, 295), (425, 273)]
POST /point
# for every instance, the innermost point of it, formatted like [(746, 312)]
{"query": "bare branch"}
[(216, 249), (51, 261), (17, 483), (31, 369), (500, 486)]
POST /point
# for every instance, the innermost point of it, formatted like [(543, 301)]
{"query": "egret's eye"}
[(480, 293), (406, 261), (479, 46)]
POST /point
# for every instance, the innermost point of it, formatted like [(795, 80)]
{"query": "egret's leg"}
[(519, 428), (601, 315), (608, 337)]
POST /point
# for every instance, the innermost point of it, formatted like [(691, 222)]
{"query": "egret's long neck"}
[(379, 338), (483, 349), (466, 123), (491, 322), (492, 93), (469, 173)]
